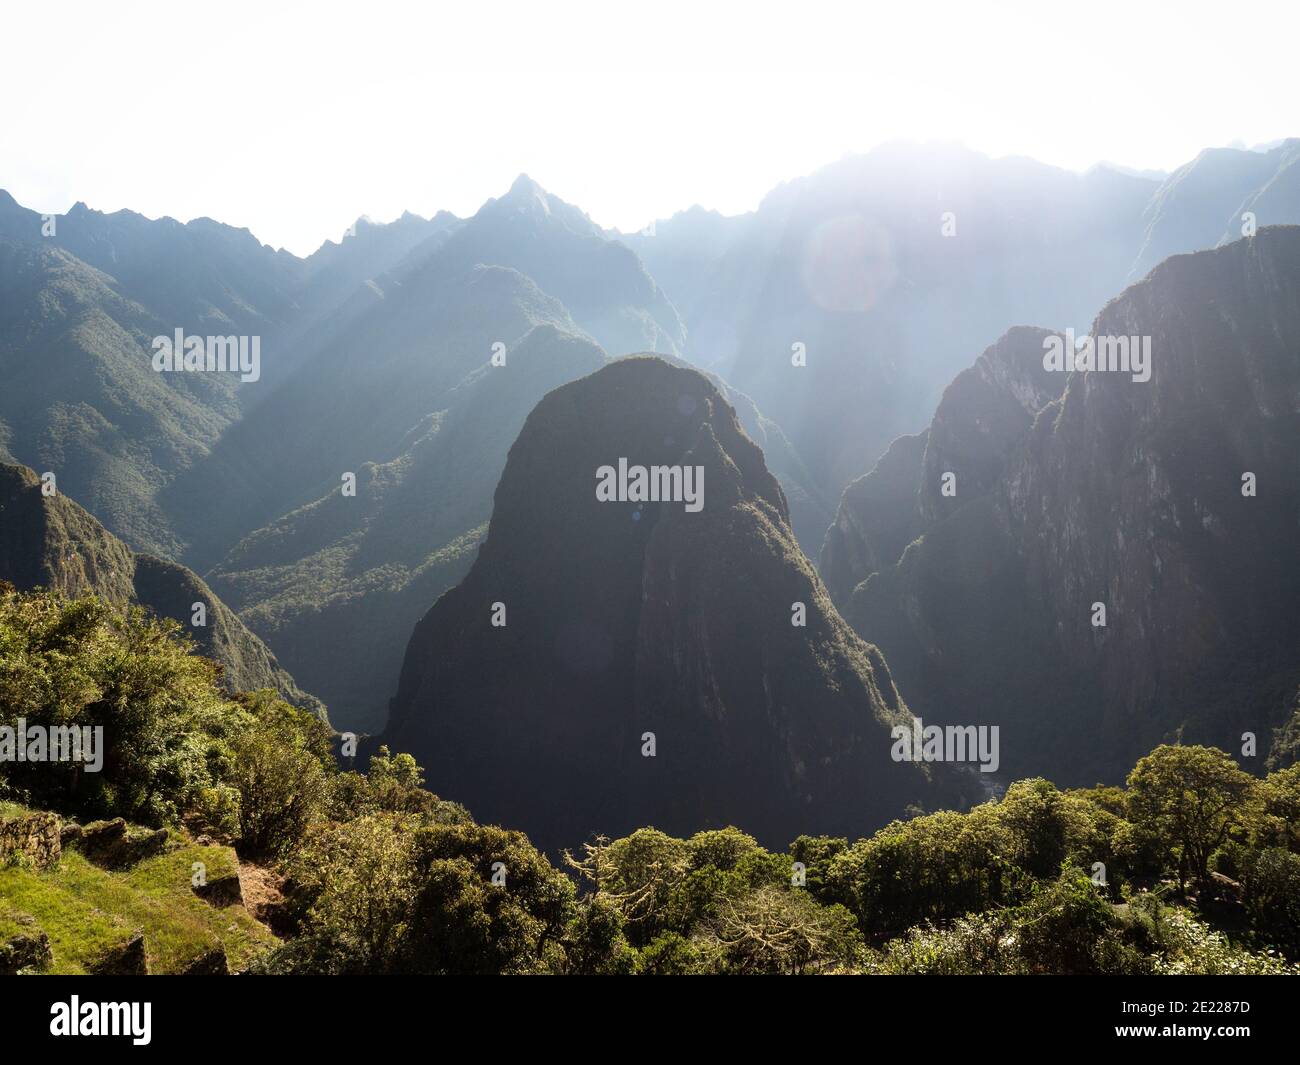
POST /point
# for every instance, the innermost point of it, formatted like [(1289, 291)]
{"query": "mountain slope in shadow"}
[(635, 623)]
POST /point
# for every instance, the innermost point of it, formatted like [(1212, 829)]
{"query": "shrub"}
[(280, 773), (1272, 885)]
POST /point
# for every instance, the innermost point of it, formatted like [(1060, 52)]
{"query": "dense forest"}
[(223, 834)]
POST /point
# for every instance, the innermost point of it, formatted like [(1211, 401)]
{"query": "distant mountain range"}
[(890, 268), (885, 273)]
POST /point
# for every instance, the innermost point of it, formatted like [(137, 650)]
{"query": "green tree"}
[(350, 888), (641, 874), (1060, 930), (778, 930), (1037, 817), (816, 854), (486, 901), (280, 768), (670, 954), (932, 868), (1191, 798), (167, 728), (594, 943), (1279, 809)]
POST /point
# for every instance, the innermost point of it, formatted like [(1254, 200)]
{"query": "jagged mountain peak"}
[(527, 201)]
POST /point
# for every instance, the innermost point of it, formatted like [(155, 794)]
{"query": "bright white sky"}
[(294, 118)]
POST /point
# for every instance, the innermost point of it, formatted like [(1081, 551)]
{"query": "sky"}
[(294, 119)]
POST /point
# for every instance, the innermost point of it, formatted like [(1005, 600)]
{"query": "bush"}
[(980, 945), (349, 894), (1193, 949), (79, 662), (1272, 885), (1061, 928), (280, 766)]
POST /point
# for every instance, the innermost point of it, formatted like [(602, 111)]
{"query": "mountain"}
[(601, 281), (390, 355), (376, 342), (623, 619), (51, 542), (684, 252), (363, 398), (883, 271), (150, 453), (1130, 494), (202, 275), (339, 281), (985, 410), (1202, 203), (81, 397), (84, 295), (337, 584), (369, 250)]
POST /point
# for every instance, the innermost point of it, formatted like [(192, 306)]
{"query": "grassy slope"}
[(88, 911)]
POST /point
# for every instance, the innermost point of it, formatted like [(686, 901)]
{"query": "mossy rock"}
[(23, 945)]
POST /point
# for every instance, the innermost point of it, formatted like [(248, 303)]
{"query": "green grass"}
[(10, 925), (87, 911)]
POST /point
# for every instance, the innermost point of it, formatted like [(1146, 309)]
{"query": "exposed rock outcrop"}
[(23, 945), (32, 839)]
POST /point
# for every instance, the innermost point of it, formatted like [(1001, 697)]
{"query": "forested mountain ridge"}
[(49, 541)]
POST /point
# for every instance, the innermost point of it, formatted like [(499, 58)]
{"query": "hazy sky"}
[(293, 119)]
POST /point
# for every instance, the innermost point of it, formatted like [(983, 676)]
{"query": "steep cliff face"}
[(624, 619), (924, 478), (877, 518), (1136, 496), (51, 542)]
